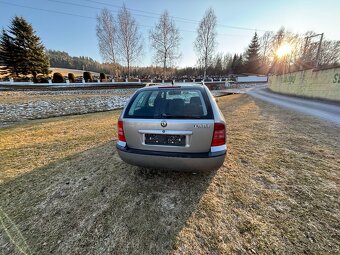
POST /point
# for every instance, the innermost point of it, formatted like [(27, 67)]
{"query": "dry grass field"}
[(65, 191)]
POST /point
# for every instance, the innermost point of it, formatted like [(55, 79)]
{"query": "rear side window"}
[(180, 103)]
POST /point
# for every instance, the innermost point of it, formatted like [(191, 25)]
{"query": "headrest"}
[(176, 102), (195, 100)]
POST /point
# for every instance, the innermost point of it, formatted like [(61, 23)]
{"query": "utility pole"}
[(308, 39), (319, 50)]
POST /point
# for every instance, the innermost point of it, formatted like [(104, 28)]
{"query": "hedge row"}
[(87, 76)]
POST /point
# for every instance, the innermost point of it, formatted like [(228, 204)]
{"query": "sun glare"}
[(283, 50)]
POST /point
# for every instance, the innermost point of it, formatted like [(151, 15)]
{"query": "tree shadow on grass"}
[(93, 203)]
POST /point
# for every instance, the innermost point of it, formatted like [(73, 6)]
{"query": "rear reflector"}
[(219, 135), (121, 135)]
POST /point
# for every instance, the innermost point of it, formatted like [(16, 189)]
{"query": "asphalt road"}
[(320, 109)]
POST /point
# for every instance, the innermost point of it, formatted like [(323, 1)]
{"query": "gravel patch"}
[(28, 105)]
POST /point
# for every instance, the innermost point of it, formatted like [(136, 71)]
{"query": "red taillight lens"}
[(121, 135), (219, 135)]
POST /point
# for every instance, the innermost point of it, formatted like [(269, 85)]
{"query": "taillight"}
[(219, 135), (121, 135)]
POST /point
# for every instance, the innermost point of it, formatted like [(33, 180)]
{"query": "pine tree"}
[(218, 69), (253, 62), (233, 63), (7, 52), (21, 51), (237, 65)]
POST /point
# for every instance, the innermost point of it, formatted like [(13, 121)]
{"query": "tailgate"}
[(177, 135)]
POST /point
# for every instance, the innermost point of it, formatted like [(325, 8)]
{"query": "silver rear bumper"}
[(172, 161)]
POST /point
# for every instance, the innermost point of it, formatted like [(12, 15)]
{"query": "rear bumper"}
[(172, 160)]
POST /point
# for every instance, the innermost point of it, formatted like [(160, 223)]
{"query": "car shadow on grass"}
[(93, 203)]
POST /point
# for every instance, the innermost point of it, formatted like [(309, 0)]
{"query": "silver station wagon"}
[(172, 127)]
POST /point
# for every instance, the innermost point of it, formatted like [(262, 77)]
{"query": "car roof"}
[(176, 85)]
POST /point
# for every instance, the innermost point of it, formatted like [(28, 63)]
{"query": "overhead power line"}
[(147, 12), (174, 17), (87, 17), (142, 11), (46, 10)]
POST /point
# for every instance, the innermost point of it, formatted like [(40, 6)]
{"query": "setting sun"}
[(283, 50)]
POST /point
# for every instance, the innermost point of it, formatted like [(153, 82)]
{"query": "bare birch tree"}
[(129, 39), (330, 53), (206, 39), (266, 41), (107, 36), (165, 40)]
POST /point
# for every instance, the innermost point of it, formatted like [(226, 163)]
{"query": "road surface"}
[(323, 110)]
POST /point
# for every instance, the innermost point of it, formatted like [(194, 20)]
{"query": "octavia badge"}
[(163, 123)]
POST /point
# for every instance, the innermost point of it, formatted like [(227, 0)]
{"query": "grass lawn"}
[(65, 191), (40, 142)]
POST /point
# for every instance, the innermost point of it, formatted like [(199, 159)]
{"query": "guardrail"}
[(67, 83), (212, 84), (113, 81)]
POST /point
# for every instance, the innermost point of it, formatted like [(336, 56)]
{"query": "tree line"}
[(22, 53), (121, 47), (262, 56), (63, 60)]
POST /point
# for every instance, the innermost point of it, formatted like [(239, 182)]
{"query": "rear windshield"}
[(163, 103)]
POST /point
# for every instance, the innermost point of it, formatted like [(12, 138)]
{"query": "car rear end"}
[(175, 127)]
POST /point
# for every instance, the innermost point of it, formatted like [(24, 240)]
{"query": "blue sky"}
[(75, 33)]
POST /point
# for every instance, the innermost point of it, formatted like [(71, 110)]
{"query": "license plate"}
[(172, 140)]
